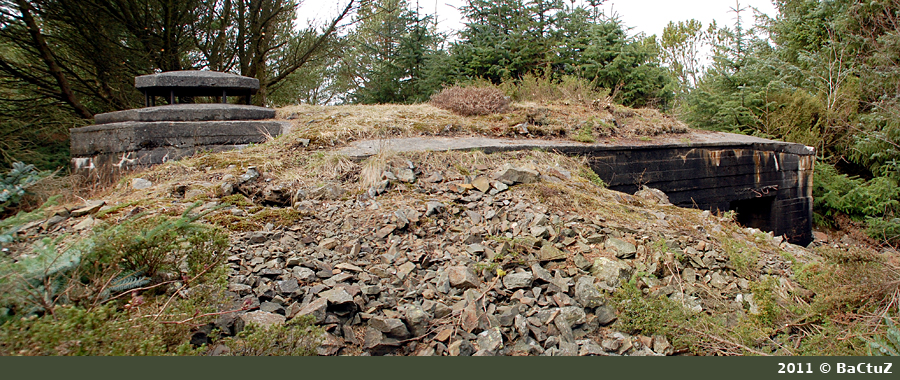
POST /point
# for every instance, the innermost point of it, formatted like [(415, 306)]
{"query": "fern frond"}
[(128, 281), (889, 343)]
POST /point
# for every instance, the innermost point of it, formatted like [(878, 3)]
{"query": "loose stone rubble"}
[(465, 267)]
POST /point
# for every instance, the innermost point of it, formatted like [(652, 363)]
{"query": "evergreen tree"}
[(392, 48)]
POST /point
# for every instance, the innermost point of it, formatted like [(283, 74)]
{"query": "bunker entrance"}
[(755, 212)]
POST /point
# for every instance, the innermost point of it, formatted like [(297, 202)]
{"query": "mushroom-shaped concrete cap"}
[(196, 79)]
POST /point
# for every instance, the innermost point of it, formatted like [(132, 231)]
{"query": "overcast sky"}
[(648, 16)]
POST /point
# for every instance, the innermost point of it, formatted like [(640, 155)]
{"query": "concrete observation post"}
[(155, 134)]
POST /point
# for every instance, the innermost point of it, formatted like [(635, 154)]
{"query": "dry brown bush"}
[(471, 101)]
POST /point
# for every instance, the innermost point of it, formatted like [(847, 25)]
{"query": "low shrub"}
[(875, 202), (298, 337), (13, 184), (544, 89), (471, 101), (88, 271)]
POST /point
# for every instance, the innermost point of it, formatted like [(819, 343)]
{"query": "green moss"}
[(586, 133), (647, 315), (236, 200), (276, 215)]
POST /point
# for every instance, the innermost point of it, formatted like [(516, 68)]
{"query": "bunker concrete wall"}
[(109, 148), (769, 190), (768, 183)]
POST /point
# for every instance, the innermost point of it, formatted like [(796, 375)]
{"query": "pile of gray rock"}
[(465, 267)]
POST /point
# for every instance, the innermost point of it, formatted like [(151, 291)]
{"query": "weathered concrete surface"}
[(768, 183), (196, 79), (188, 112), (119, 146)]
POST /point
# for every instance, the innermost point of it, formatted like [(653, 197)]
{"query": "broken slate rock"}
[(518, 280), (482, 184), (581, 262), (377, 343), (490, 341), (391, 326), (405, 269), (140, 184), (610, 271), (512, 175), (623, 249), (261, 318), (463, 277), (549, 253), (586, 293), (316, 309), (605, 315), (432, 208), (337, 296), (89, 208), (417, 320)]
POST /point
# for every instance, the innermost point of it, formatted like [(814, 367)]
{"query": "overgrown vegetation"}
[(874, 203), (15, 183), (298, 337), (471, 101), (68, 295), (820, 73)]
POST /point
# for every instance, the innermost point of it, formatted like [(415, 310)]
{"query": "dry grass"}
[(328, 126)]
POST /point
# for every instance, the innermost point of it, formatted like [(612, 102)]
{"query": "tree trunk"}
[(66, 93)]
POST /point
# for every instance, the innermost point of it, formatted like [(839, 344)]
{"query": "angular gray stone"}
[(140, 184), (591, 348), (406, 175), (518, 280), (89, 208), (605, 315), (316, 309), (540, 232), (337, 296), (463, 277), (581, 262), (490, 340), (622, 249), (391, 326), (549, 253), (432, 208), (271, 307), (586, 293), (540, 273), (377, 343), (511, 175), (610, 271), (288, 286), (417, 319), (404, 270), (305, 274), (262, 318)]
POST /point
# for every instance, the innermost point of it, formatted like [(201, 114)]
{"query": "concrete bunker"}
[(155, 134), (768, 183)]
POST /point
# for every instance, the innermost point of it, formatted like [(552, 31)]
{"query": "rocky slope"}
[(462, 253)]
